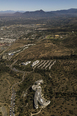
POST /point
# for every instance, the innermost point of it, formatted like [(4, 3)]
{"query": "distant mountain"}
[(38, 13), (41, 13), (10, 11), (17, 13), (69, 11)]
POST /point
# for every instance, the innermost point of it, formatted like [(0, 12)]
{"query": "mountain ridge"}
[(42, 13)]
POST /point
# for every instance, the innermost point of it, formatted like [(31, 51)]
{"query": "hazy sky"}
[(32, 5)]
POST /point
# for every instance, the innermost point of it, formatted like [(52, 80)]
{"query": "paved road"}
[(12, 105)]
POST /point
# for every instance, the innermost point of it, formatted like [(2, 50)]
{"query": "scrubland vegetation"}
[(53, 39)]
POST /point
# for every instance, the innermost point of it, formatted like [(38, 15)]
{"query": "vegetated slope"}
[(71, 41), (43, 49), (59, 83), (7, 79), (59, 86), (43, 14), (6, 82), (17, 45)]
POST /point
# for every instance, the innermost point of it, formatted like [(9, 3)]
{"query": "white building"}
[(35, 62), (26, 63)]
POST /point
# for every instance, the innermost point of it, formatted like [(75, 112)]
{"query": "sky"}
[(32, 5)]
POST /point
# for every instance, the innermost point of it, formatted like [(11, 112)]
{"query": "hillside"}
[(58, 87), (45, 51), (47, 48), (43, 14)]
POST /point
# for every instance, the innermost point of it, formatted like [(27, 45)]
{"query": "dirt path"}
[(36, 113), (4, 104), (8, 82), (12, 106), (3, 109)]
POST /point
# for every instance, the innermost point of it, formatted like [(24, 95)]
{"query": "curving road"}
[(12, 105)]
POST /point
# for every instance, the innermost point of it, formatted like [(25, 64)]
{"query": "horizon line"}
[(33, 10)]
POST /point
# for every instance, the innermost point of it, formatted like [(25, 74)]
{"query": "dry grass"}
[(43, 49), (18, 43), (6, 82), (59, 88)]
